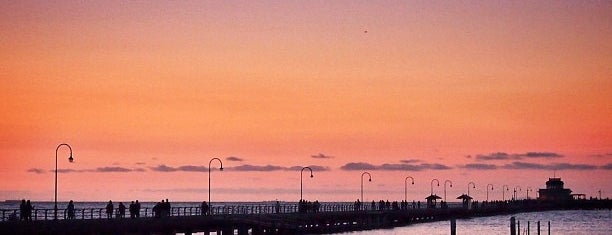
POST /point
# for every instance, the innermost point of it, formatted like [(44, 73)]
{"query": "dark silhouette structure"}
[(554, 191)]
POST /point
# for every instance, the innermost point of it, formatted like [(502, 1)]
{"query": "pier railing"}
[(97, 213), (284, 208)]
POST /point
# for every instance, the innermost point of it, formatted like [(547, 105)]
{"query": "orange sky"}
[(490, 92)]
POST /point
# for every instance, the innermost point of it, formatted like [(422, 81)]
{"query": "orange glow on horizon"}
[(133, 86)]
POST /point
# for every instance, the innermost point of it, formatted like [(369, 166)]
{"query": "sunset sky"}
[(147, 92)]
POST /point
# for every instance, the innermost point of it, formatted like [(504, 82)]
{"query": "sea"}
[(598, 222)]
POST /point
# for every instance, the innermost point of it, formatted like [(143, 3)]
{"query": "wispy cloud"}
[(606, 167), (113, 169), (605, 155), (354, 166), (163, 168), (248, 167), (321, 156), (494, 156), (245, 167), (36, 170), (191, 168), (479, 166), (351, 166), (517, 156), (554, 166), (234, 159), (65, 170), (313, 167), (410, 161)]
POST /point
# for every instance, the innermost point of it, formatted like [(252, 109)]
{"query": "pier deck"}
[(280, 223)]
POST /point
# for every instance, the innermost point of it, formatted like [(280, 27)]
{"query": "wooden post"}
[(512, 225), (518, 226), (453, 224), (528, 224), (538, 227), (549, 227)]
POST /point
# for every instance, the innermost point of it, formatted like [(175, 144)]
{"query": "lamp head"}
[(413, 182), (221, 168), (311, 176), (438, 184), (370, 179), (451, 185), (71, 159)]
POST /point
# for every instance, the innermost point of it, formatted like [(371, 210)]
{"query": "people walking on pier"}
[(22, 210), (28, 210), (157, 209), (373, 207), (70, 210), (132, 208), (137, 209), (357, 205), (277, 209), (121, 210), (109, 210), (204, 208), (167, 208)]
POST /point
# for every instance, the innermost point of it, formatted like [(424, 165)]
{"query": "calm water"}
[(562, 222)]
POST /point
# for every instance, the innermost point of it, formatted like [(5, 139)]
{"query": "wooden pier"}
[(278, 223)]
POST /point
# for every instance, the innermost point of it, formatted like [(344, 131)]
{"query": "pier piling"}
[(453, 225), (512, 225)]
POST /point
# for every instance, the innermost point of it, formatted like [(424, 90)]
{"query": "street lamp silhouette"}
[(406, 187), (438, 182), (451, 185), (473, 186), (503, 192), (519, 187), (301, 184), (221, 169), (488, 190), (70, 159), (369, 179), (528, 189)]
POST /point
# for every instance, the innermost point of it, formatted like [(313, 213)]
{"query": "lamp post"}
[(70, 159), (451, 185), (528, 189), (473, 186), (221, 169), (406, 187), (503, 192), (301, 184), (488, 190), (519, 187), (438, 182), (369, 179), (599, 194)]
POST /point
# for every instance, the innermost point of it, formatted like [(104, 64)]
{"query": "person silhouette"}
[(137, 209), (132, 208), (28, 210), (109, 210), (22, 210), (121, 210), (204, 208), (70, 210)]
